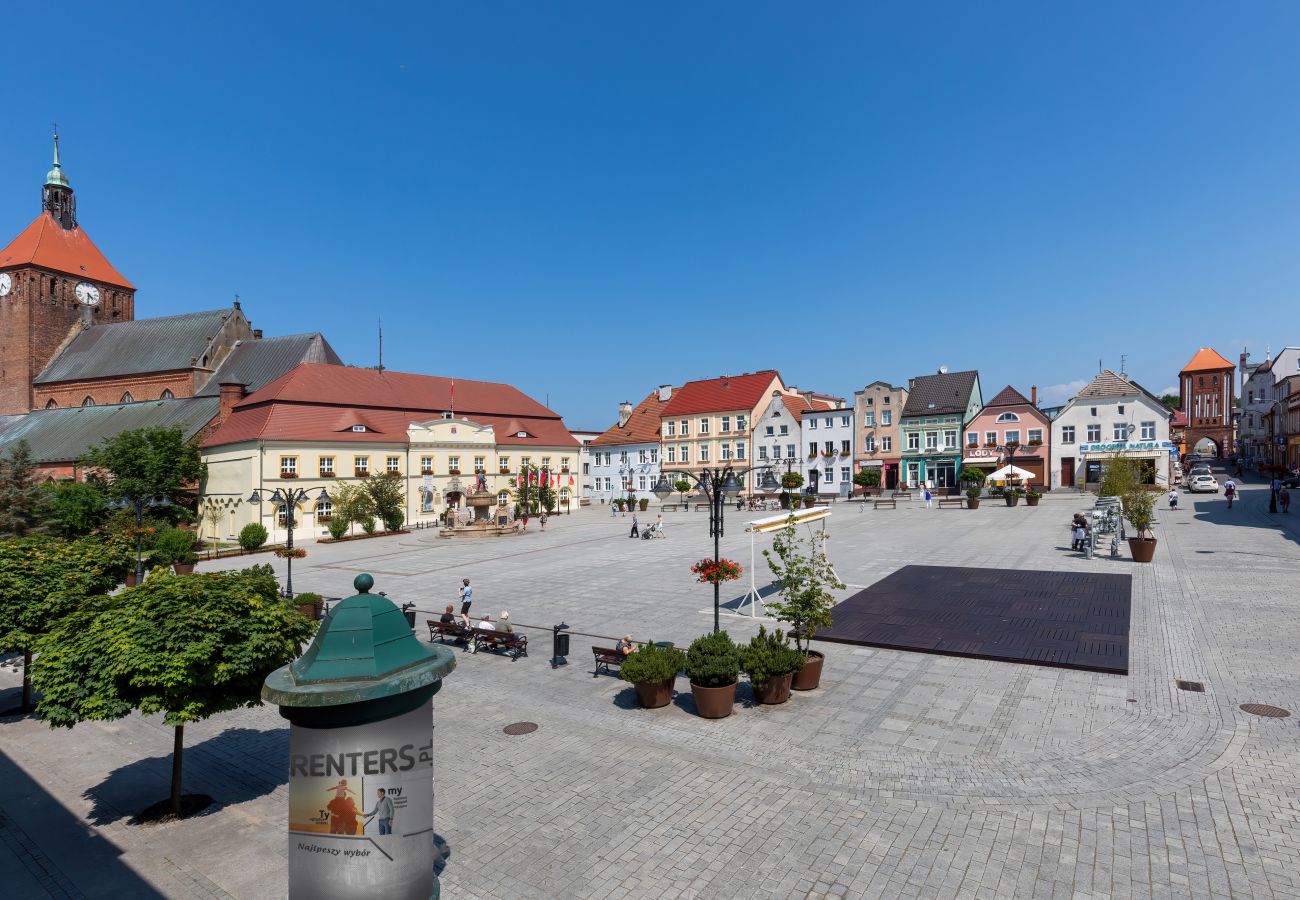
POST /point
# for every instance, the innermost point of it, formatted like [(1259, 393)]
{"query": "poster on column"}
[(361, 809)]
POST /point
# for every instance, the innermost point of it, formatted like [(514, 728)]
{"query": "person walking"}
[(929, 498), (613, 509), (1284, 498), (636, 533), (1173, 498), (543, 520), (1230, 491), (466, 594)]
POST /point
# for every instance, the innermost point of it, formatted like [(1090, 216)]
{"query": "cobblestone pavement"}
[(906, 775)]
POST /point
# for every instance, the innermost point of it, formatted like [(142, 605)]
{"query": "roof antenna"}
[(1123, 364), (381, 344)]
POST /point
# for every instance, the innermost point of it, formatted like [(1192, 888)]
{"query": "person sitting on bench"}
[(483, 624), (503, 622), (625, 646), (447, 617)]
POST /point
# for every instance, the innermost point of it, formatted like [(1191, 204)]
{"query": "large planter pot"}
[(310, 610), (1012, 499), (1032, 501), (1142, 549), (807, 678), (654, 694), (713, 703), (972, 502), (183, 568), (774, 690), (130, 579)]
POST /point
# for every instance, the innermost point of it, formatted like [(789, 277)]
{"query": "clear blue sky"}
[(589, 199)]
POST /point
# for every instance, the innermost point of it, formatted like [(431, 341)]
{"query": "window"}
[(480, 464), (1119, 430), (785, 429), (394, 465), (726, 424), (671, 452), (869, 419), (166, 395), (886, 415), (670, 429), (1013, 436), (950, 439), (790, 451), (726, 451), (361, 465), (685, 426), (703, 453), (740, 449), (762, 452), (871, 401), (870, 444), (546, 462), (844, 448), (828, 476), (1121, 406), (503, 498), (990, 438), (127, 398), (769, 430), (913, 440), (1093, 410), (886, 442), (1035, 435), (829, 421), (740, 423), (1094, 434), (1148, 431), (932, 440), (281, 514), (503, 465), (812, 423), (686, 453), (829, 447), (453, 465), (358, 428), (288, 467), (812, 448), (1007, 417), (324, 510), (622, 458), (640, 480), (326, 465), (1067, 434), (654, 454), (88, 401), (704, 426), (845, 474), (640, 458), (844, 421), (526, 461), (972, 439), (426, 465)]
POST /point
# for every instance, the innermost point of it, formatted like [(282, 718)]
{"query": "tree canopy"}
[(387, 494), (147, 462), (22, 501)]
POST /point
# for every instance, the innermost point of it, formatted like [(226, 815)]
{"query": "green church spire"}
[(56, 176)]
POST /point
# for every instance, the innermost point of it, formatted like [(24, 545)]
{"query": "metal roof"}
[(64, 435), (164, 344), (259, 362)]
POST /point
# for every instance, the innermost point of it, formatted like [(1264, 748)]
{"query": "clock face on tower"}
[(6, 284), (87, 293)]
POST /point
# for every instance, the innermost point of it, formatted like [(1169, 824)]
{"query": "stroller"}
[(648, 532)]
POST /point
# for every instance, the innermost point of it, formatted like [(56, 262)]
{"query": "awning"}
[(980, 461), (870, 464)]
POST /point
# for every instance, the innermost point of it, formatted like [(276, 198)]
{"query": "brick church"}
[(77, 366)]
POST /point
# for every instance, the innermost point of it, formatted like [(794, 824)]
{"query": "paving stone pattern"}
[(906, 775)]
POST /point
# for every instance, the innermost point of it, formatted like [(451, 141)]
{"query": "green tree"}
[(22, 500), (388, 498), (867, 478), (806, 579), (683, 487), (77, 507), (352, 503), (1171, 400), (184, 646), (149, 462), (43, 579), (527, 494)]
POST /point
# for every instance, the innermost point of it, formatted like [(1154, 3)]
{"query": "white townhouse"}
[(1112, 417), (826, 425), (626, 455)]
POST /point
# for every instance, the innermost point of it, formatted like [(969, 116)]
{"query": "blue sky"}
[(589, 199)]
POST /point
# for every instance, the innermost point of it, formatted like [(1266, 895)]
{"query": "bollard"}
[(559, 646), (359, 705)]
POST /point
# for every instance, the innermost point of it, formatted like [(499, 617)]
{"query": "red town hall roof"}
[(1207, 359), (721, 394), (46, 244), (321, 402)]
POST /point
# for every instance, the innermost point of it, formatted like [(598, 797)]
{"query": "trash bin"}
[(408, 610)]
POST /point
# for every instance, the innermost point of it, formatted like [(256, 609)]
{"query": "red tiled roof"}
[(641, 428), (721, 394), (798, 405), (318, 402), (1008, 396), (1206, 359), (44, 243), (1179, 419)]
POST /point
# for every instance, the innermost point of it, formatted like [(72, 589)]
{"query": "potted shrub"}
[(806, 578), (792, 481), (770, 662), (310, 605), (1139, 509), (651, 670), (795, 501), (868, 480), (181, 546), (1012, 496), (713, 665), (784, 497), (618, 503), (1032, 497), (338, 527), (973, 497), (975, 478), (644, 503)]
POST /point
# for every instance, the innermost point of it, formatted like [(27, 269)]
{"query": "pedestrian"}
[(613, 509), (1284, 498), (1275, 487), (929, 498), (1229, 491), (466, 594), (1173, 498), (636, 533), (543, 520), (1079, 532)]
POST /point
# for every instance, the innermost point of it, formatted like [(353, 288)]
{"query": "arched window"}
[(89, 401), (1008, 417), (127, 398), (52, 404), (324, 510), (167, 395)]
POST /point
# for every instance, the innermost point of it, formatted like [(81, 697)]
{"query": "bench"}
[(705, 505), (672, 506), (443, 630), (901, 495), (606, 657), (951, 501), (515, 645), (892, 504)]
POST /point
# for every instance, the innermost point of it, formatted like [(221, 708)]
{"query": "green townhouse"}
[(938, 409)]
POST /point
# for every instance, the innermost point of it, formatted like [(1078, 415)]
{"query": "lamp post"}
[(719, 485), (290, 497), (138, 504)]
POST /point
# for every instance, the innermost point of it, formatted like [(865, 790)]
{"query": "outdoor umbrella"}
[(1006, 472)]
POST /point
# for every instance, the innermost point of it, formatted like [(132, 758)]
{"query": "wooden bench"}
[(515, 645), (705, 505), (443, 630), (672, 506), (901, 495), (951, 501), (892, 504), (606, 657)]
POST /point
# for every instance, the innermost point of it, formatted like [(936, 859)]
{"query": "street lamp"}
[(719, 486), (138, 504), (290, 497)]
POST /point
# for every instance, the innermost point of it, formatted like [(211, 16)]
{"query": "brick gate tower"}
[(1205, 387), (53, 282)]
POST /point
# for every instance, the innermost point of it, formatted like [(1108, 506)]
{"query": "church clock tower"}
[(53, 283)]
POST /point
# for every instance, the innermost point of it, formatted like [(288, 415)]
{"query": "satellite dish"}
[(943, 370)]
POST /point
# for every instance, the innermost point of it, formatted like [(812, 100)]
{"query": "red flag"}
[(570, 481), (521, 479)]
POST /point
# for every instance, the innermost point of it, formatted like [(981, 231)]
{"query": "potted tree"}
[(806, 579), (1011, 495), (974, 479), (868, 480), (174, 547), (651, 671), (770, 662), (713, 665), (644, 503), (790, 481), (1139, 509), (1032, 497), (310, 605)]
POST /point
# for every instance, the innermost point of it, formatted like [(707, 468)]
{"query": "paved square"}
[(1074, 620), (906, 775)]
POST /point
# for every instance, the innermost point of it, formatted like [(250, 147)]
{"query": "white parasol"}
[(1006, 472)]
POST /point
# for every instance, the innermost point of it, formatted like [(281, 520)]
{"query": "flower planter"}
[(310, 610), (1142, 549), (773, 691), (713, 703), (130, 580), (810, 676), (1012, 499), (183, 568), (1032, 501), (972, 502), (653, 695)]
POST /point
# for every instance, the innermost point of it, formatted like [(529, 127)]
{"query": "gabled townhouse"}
[(779, 435), (626, 455), (709, 423), (1261, 398), (877, 412), (938, 409), (828, 434), (1113, 416), (1010, 428)]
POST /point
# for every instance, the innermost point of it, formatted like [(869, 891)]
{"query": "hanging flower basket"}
[(287, 553), (716, 571)]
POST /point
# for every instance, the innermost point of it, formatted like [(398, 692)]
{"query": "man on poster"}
[(383, 811)]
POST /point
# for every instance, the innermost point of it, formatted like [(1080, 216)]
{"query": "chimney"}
[(257, 334), (624, 413), (911, 384), (665, 392), (231, 392), (1033, 395)]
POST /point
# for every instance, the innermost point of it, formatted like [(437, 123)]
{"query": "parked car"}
[(1203, 484), (1196, 471)]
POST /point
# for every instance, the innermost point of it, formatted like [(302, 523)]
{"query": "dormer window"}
[(446, 415), (1011, 417), (358, 428), (521, 434)]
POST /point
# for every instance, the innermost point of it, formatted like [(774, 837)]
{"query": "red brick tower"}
[(1206, 390), (53, 280)]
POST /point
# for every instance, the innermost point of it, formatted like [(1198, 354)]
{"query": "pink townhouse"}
[(1010, 428)]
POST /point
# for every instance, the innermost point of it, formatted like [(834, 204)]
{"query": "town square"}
[(579, 451)]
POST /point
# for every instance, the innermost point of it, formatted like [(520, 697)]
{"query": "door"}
[(1067, 471), (913, 474)]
